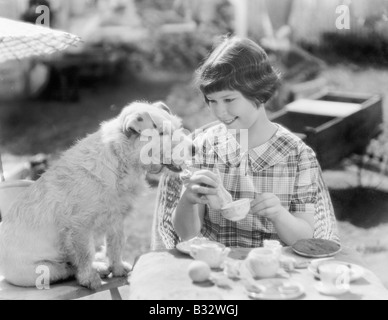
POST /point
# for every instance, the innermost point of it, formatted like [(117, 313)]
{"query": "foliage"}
[(188, 103), (377, 153), (179, 50), (160, 5)]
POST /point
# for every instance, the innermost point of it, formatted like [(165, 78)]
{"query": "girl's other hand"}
[(201, 184), (267, 205)]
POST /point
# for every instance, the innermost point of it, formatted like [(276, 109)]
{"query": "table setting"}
[(201, 269)]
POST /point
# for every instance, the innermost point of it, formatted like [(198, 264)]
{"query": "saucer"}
[(330, 291), (185, 247), (356, 271), (275, 289)]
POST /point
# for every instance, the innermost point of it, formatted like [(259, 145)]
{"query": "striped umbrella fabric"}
[(19, 40)]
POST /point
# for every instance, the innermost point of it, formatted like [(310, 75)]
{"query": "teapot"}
[(213, 254), (263, 263)]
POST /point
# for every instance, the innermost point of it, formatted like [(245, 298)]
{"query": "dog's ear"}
[(162, 106)]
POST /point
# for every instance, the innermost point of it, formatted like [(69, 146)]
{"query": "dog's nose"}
[(174, 168)]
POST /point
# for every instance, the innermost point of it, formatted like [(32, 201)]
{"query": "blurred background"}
[(150, 49)]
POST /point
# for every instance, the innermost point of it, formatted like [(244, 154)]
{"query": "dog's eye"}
[(161, 134)]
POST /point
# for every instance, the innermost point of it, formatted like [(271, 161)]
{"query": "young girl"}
[(275, 168)]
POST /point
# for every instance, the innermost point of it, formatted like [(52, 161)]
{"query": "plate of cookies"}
[(316, 248)]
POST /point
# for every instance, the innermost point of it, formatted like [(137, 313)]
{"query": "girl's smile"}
[(233, 109), (229, 122), (238, 113)]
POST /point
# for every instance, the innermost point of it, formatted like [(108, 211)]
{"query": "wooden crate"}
[(334, 138)]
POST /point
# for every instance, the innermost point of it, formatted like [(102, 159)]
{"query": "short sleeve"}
[(163, 234), (325, 220), (305, 193), (311, 195)]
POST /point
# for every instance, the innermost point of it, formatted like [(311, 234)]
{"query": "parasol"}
[(19, 40)]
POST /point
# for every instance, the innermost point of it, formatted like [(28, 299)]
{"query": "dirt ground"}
[(28, 128), (32, 127)]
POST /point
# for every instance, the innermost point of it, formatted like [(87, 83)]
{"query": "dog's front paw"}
[(102, 268), (121, 270), (91, 281)]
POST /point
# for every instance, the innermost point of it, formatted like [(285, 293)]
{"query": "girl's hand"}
[(201, 184), (267, 205)]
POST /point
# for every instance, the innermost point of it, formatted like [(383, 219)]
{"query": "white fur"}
[(85, 195)]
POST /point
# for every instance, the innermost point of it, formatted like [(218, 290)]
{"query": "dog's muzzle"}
[(176, 168), (173, 168)]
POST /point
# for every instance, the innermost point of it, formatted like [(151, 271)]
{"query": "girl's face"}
[(233, 109)]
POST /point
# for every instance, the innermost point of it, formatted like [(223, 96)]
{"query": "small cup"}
[(236, 210), (273, 245), (232, 269), (210, 253), (335, 278), (263, 263)]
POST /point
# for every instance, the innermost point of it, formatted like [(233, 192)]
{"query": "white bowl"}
[(236, 210)]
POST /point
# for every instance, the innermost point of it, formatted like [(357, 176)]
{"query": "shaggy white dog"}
[(85, 195)]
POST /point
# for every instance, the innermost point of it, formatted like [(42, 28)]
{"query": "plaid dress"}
[(284, 166)]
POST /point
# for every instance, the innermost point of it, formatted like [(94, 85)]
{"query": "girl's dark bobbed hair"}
[(242, 65)]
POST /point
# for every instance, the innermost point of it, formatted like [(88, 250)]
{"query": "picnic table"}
[(162, 275)]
